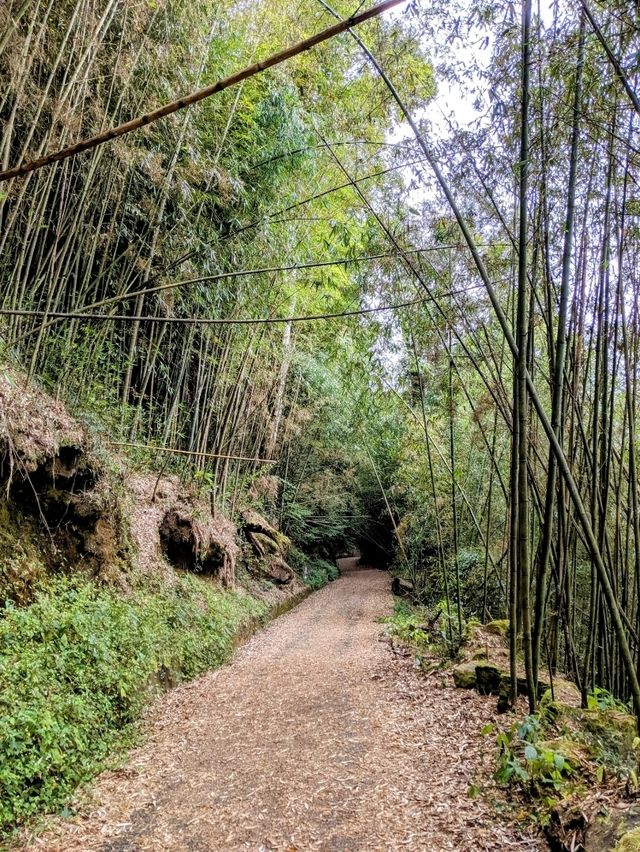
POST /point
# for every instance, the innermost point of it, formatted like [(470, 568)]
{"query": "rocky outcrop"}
[(258, 529), (51, 478), (84, 511), (402, 588), (197, 545), (267, 549), (172, 527)]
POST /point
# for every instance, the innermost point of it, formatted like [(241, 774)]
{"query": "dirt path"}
[(314, 737)]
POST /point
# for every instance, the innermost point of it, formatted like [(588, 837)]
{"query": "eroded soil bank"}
[(315, 737)]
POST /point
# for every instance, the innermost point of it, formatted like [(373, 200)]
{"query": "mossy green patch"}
[(464, 675), (500, 627), (629, 842)]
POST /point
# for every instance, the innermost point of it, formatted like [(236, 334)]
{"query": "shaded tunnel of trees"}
[(389, 332)]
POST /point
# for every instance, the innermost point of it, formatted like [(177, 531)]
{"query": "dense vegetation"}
[(79, 664), (470, 413)]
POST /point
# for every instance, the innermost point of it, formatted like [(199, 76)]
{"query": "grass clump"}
[(78, 665)]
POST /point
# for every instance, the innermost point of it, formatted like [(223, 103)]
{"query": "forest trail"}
[(314, 737)]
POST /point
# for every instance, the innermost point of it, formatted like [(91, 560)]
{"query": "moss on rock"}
[(500, 627), (464, 675)]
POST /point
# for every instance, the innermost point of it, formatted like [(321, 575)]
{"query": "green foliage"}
[(427, 630), (525, 760), (407, 624), (602, 699), (78, 665), (314, 571), (554, 752), (320, 573)]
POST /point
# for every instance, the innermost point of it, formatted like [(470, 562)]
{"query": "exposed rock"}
[(464, 675), (263, 544), (277, 570), (52, 480), (488, 678), (255, 524), (618, 829), (504, 692), (606, 730), (618, 730), (188, 544), (401, 588)]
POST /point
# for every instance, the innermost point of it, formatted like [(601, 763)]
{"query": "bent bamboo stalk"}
[(199, 95)]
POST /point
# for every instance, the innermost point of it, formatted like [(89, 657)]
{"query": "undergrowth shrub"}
[(524, 758), (320, 573), (77, 667), (314, 571), (432, 630), (550, 754), (480, 595)]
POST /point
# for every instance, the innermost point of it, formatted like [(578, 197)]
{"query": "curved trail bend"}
[(314, 738)]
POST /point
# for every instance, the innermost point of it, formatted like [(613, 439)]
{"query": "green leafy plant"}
[(314, 571), (524, 759), (408, 625), (602, 699), (78, 665)]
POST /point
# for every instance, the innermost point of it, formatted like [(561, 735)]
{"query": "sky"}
[(453, 102)]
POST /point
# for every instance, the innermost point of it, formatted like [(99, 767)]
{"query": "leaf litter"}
[(315, 737)]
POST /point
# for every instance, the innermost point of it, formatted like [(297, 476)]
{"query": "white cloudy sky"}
[(453, 102)]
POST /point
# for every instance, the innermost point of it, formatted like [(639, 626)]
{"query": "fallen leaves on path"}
[(316, 737)]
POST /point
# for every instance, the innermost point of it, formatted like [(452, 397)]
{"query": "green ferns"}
[(77, 667)]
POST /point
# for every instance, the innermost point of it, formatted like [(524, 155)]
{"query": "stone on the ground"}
[(488, 678), (401, 588), (464, 675)]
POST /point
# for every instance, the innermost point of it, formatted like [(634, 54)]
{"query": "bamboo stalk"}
[(179, 452), (200, 95)]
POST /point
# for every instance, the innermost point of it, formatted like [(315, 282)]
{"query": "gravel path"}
[(315, 737)]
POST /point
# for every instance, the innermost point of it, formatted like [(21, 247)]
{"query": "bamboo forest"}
[(319, 389)]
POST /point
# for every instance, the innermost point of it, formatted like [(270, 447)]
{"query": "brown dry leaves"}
[(315, 737)]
